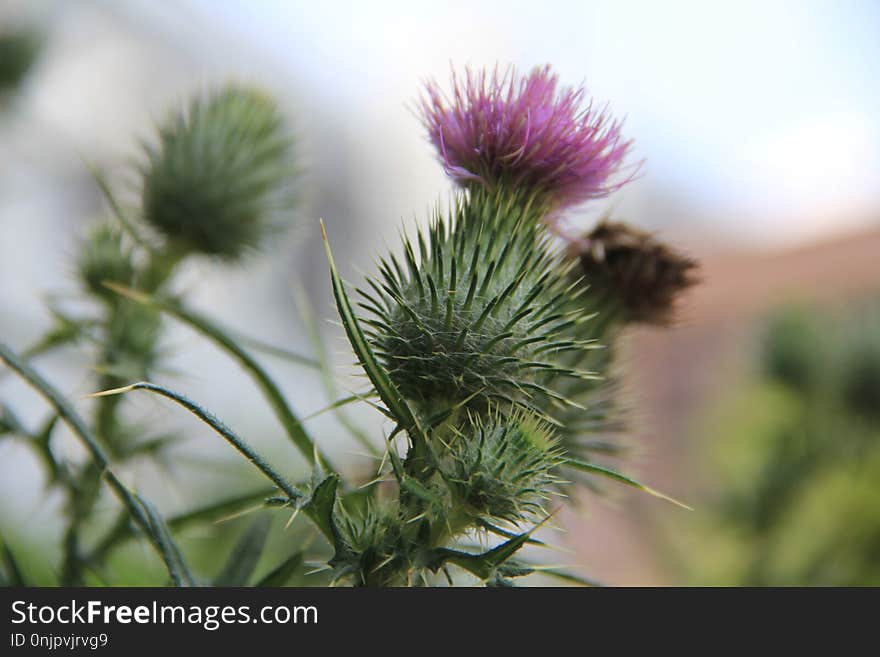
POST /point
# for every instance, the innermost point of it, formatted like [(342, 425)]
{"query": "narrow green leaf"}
[(282, 574), (291, 423), (115, 207), (81, 430), (245, 554), (308, 317), (9, 422), (171, 554), (592, 468), (568, 577), (13, 571), (219, 427), (339, 403), (378, 376), (219, 510), (121, 530), (278, 352), (64, 331)]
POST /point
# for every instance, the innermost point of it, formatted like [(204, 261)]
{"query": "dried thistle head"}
[(219, 176), (635, 272), (526, 131)]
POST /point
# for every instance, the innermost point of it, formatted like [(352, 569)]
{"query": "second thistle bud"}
[(220, 174), (501, 467), (104, 258), (628, 269)]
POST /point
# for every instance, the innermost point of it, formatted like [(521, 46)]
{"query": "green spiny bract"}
[(375, 549), (105, 258), (501, 468), (220, 174), (479, 315), (495, 470)]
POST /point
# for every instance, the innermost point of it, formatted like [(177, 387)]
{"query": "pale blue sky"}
[(757, 110)]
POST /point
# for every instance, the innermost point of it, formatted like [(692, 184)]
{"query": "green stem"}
[(121, 529), (224, 431), (289, 421), (135, 506)]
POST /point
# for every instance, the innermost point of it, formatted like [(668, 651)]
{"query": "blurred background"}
[(759, 124)]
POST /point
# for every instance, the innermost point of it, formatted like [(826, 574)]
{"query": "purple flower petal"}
[(526, 131)]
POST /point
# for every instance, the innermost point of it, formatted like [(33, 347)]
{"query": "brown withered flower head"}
[(644, 276)]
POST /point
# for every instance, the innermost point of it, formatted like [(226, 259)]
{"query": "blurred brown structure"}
[(675, 374)]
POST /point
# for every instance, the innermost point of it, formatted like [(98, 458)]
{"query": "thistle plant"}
[(486, 338), (233, 136)]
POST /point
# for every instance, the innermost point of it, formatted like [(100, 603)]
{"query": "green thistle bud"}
[(480, 316), (104, 257), (501, 467), (218, 179), (371, 550)]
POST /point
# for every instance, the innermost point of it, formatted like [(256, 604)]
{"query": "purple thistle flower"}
[(527, 132)]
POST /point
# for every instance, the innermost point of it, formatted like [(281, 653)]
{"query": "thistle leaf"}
[(568, 577), (13, 571), (115, 207), (219, 427), (592, 468), (171, 554), (210, 513), (291, 423), (279, 576), (245, 554), (132, 503), (377, 374), (308, 317)]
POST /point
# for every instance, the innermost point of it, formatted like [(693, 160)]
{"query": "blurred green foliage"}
[(18, 51), (796, 465)]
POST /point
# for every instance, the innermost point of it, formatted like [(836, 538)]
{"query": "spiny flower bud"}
[(104, 257), (501, 127), (480, 316), (629, 269), (501, 467), (219, 176), (367, 549)]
